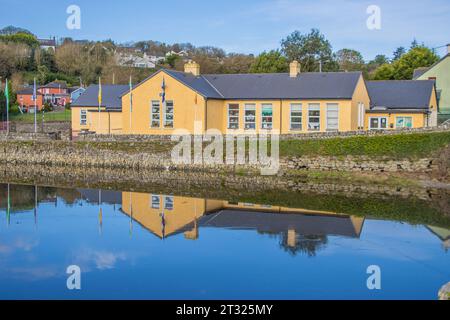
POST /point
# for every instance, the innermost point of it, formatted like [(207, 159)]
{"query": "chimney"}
[(192, 67), (294, 69)]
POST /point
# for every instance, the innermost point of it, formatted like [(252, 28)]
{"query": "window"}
[(168, 115), (156, 115), (83, 117), (296, 116), (233, 116), (267, 116), (377, 123), (314, 117), (155, 202), (403, 122), (332, 117), (250, 117), (168, 203)]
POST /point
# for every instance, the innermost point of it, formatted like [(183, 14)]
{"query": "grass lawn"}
[(54, 116), (394, 146)]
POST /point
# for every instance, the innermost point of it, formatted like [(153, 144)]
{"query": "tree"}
[(349, 60), (270, 62), (237, 63), (374, 64), (384, 72), (24, 38), (171, 60), (416, 58), (398, 53), (403, 68), (309, 49)]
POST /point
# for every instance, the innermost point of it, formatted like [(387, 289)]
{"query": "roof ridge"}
[(215, 89)]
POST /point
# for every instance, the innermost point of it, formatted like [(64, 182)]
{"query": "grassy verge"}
[(393, 146), (54, 116)]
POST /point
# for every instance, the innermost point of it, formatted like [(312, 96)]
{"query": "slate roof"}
[(281, 222), (55, 84), (27, 91), (314, 85), (418, 72), (199, 84), (111, 96), (403, 94)]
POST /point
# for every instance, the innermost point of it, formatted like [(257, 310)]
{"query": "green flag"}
[(7, 95)]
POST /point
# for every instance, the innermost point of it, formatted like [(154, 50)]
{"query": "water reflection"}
[(300, 231), (153, 245)]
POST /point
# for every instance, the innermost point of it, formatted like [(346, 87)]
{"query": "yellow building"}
[(402, 104), (166, 215), (289, 103)]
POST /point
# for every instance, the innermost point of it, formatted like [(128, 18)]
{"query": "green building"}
[(440, 72)]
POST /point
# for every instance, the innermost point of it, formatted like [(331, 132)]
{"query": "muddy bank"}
[(414, 204)]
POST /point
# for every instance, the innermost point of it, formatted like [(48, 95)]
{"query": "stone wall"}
[(26, 127), (137, 156), (359, 164), (303, 136)]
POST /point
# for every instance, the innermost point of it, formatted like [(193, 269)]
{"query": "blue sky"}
[(249, 26)]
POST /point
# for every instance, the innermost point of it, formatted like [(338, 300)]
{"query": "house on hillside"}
[(136, 60), (440, 72), (54, 93), (287, 103), (46, 44)]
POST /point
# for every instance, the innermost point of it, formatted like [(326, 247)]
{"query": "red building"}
[(54, 93)]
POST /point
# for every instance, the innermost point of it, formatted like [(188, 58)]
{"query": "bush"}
[(47, 107), (14, 109)]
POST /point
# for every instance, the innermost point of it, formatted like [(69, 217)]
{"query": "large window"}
[(156, 115), (250, 117), (314, 117), (377, 123), (403, 122), (83, 117), (296, 116), (168, 203), (267, 116), (332, 117), (233, 116), (155, 201), (168, 115)]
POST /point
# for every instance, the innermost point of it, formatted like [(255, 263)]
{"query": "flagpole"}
[(99, 102), (7, 106), (35, 106), (131, 104)]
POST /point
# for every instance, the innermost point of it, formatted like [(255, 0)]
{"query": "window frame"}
[(85, 112), (152, 202), (238, 107), (166, 121), (328, 105), (291, 122), (318, 107), (266, 105), (249, 107), (379, 123), (152, 114), (172, 204), (404, 119)]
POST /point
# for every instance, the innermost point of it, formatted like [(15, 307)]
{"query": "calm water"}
[(152, 246)]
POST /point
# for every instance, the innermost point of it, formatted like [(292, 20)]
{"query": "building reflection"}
[(299, 230)]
